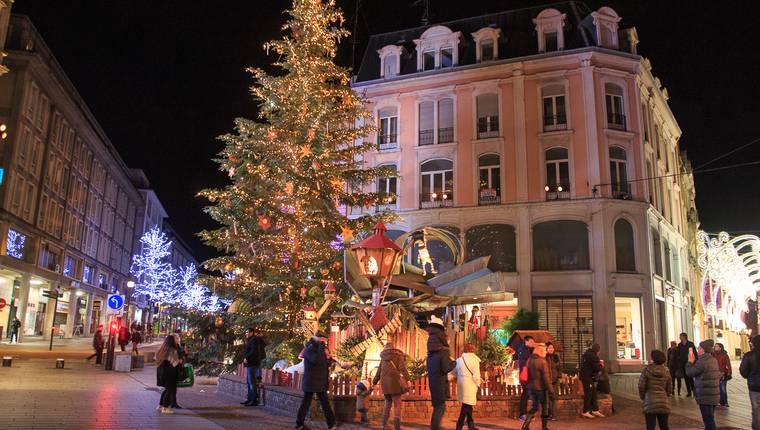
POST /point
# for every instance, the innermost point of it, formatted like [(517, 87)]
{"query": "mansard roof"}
[(518, 37)]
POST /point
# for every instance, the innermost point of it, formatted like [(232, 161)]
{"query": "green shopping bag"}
[(186, 377)]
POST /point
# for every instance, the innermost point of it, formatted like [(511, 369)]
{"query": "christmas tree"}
[(293, 172)]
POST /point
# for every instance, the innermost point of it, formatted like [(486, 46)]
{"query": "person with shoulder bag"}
[(467, 374), (168, 363), (394, 381), (539, 386)]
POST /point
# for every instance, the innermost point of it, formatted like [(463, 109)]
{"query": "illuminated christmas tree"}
[(156, 276), (292, 171)]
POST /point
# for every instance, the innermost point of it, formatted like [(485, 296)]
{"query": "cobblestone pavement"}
[(35, 395)]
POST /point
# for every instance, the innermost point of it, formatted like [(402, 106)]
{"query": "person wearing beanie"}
[(750, 370), (589, 373), (439, 364), (707, 375), (363, 390), (655, 385), (316, 369)]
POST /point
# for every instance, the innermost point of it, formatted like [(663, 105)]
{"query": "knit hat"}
[(435, 320), (363, 385), (319, 334), (707, 345)]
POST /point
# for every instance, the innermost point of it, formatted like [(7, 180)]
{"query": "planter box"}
[(138, 361)]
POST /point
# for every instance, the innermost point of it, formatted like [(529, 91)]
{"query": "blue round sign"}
[(115, 302)]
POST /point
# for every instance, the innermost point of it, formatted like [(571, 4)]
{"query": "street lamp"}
[(377, 257), (130, 284)]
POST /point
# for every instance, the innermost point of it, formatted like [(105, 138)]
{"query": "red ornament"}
[(264, 222), (303, 292)]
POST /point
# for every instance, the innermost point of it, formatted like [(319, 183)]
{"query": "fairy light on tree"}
[(156, 275), (289, 173)]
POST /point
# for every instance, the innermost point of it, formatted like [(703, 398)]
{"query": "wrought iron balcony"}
[(557, 192), (427, 137), (444, 199), (446, 135), (621, 190), (555, 122), (387, 141)]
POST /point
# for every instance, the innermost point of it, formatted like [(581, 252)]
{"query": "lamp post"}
[(377, 256)]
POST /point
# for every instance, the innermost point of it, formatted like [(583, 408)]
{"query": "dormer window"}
[(438, 47), (390, 60), (549, 27), (486, 44), (606, 23)]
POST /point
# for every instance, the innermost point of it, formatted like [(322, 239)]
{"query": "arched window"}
[(388, 185), (437, 183), (557, 174), (618, 175), (625, 259), (555, 117), (613, 95), (656, 252), (560, 245), (488, 115), (390, 66), (496, 240), (489, 190), (550, 30), (440, 253)]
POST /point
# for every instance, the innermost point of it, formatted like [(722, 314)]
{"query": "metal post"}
[(52, 324), (111, 345)]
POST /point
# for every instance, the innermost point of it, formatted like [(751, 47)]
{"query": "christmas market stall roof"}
[(540, 336), (466, 283)]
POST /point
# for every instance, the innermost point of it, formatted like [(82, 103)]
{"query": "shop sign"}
[(488, 195), (2, 303)]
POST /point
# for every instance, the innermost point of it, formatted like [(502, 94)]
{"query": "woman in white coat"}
[(467, 372)]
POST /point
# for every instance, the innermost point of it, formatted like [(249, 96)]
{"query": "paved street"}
[(83, 396), (36, 347)]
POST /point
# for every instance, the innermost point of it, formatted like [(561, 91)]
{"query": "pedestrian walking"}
[(750, 370), (167, 373), (555, 369), (706, 375), (316, 360), (467, 373), (15, 326), (523, 353), (724, 364), (136, 339), (655, 385), (124, 337), (539, 386), (676, 373), (97, 344), (394, 381), (252, 356), (363, 390), (589, 373), (439, 364), (686, 347)]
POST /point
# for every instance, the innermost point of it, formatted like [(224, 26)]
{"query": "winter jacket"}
[(590, 366), (254, 351), (467, 372), (362, 392), (392, 366), (683, 352), (523, 354), (439, 364), (654, 386), (724, 363), (555, 367), (15, 325), (750, 370), (437, 339), (124, 336), (672, 362), (97, 340), (706, 374), (539, 375), (315, 368)]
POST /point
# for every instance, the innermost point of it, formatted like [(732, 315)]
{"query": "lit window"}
[(628, 328), (437, 179), (557, 174), (69, 266), (15, 246), (87, 274), (490, 179), (388, 186), (102, 281)]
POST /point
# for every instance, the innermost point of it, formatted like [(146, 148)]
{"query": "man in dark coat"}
[(524, 352), (706, 374), (590, 368), (97, 345), (683, 356), (15, 326), (252, 356), (750, 370), (439, 364), (539, 386), (316, 368)]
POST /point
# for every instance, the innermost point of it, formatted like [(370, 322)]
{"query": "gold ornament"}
[(272, 134), (229, 267), (336, 183), (324, 271), (310, 135), (346, 233), (304, 151), (289, 188), (219, 322)]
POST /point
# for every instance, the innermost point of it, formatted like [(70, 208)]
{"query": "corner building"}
[(540, 137)]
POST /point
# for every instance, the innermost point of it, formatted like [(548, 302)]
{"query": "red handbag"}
[(524, 375)]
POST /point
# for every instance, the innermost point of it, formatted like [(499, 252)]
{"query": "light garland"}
[(15, 245)]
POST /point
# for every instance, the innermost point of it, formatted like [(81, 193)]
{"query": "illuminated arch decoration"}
[(731, 275)]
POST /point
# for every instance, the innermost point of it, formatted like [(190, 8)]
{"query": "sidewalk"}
[(37, 347)]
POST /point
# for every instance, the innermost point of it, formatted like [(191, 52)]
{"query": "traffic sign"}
[(115, 302), (3, 303)]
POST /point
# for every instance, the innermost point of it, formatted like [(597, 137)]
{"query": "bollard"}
[(59, 362), (7, 361)]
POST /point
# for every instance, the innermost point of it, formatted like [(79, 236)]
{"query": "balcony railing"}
[(554, 192), (488, 196), (390, 206), (621, 190), (387, 141), (427, 137), (488, 126), (555, 122), (446, 135), (444, 199), (616, 121)]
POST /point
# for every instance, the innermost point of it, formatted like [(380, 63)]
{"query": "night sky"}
[(165, 78)]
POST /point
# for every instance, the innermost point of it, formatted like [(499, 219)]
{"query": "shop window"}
[(625, 259), (560, 245), (16, 244), (628, 328), (496, 240), (570, 321)]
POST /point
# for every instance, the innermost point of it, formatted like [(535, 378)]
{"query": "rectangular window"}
[(657, 252), (445, 121), (69, 266), (488, 115), (615, 113), (427, 123), (555, 117), (486, 50), (388, 185), (447, 57), (388, 132), (628, 334), (48, 258), (16, 244), (428, 60), (570, 321), (102, 281), (551, 43)]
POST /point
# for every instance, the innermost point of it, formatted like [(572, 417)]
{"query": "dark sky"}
[(164, 78)]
